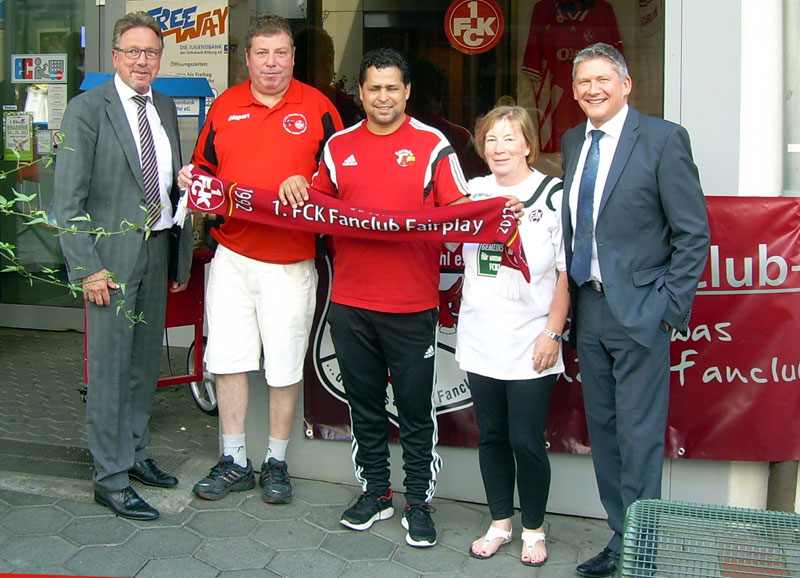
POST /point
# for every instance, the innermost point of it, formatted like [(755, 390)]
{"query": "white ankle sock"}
[(277, 449), (234, 446)]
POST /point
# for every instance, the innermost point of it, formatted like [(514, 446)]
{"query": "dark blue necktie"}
[(584, 217)]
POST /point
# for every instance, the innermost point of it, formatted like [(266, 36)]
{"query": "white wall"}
[(703, 40)]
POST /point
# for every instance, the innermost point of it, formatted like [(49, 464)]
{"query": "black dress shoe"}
[(126, 503), (150, 474), (603, 564)]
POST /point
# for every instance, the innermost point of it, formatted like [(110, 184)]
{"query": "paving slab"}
[(305, 563), (36, 551), (382, 568), (322, 493), (177, 568), (235, 554), (223, 524), (34, 520), (106, 530), (106, 561), (165, 542), (436, 559), (355, 546), (260, 573), (327, 517), (292, 535)]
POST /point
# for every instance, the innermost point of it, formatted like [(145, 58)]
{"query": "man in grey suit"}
[(636, 237), (115, 160)]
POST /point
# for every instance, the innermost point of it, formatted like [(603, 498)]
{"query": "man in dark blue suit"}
[(636, 237)]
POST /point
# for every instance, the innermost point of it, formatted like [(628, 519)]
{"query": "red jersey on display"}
[(247, 142), (411, 168), (556, 36)]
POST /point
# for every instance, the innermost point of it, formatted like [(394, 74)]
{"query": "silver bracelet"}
[(552, 335)]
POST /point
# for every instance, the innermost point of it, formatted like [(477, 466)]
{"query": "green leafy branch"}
[(22, 206)]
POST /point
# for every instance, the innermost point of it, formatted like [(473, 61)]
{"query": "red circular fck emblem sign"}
[(474, 26)]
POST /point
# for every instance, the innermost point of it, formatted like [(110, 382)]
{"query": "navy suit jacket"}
[(652, 229)]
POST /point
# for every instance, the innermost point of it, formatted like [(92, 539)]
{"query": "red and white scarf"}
[(485, 221)]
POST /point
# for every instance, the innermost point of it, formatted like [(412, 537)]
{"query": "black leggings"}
[(511, 419)]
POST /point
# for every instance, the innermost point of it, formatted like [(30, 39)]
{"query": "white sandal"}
[(530, 539), (492, 534)]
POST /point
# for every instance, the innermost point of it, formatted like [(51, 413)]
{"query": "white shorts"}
[(250, 302)]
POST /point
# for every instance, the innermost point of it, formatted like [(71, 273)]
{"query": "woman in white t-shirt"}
[(509, 334)]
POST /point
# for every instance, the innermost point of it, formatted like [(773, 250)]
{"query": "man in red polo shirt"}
[(262, 281)]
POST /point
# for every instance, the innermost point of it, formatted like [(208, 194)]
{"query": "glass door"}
[(43, 63)]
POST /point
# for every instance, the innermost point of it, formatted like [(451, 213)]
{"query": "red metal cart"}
[(184, 309)]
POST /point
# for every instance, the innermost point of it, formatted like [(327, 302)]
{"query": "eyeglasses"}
[(134, 53)]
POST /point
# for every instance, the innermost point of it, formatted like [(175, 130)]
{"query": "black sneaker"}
[(417, 520), (275, 482), (224, 477), (367, 510)]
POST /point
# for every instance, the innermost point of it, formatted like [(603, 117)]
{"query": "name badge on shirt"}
[(490, 255)]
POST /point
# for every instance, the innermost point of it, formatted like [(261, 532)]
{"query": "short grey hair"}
[(606, 52), (136, 20)]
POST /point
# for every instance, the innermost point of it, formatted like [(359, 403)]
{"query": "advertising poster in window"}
[(195, 38)]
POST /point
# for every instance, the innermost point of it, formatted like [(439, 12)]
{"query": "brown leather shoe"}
[(126, 503)]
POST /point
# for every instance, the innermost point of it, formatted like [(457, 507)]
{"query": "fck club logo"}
[(405, 157), (295, 123), (206, 193), (450, 392)]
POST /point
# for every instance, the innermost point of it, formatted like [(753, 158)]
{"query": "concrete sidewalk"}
[(50, 525)]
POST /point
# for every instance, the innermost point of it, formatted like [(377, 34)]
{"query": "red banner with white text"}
[(735, 378)]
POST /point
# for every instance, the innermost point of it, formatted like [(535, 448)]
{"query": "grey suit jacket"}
[(98, 174), (652, 228)]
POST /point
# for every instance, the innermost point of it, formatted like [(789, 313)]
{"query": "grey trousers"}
[(124, 364)]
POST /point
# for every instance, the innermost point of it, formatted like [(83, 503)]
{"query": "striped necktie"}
[(149, 164), (581, 267)]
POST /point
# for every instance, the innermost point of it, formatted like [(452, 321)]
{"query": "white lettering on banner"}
[(779, 370), (314, 213), (741, 276)]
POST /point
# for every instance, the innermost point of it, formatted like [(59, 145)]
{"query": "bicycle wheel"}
[(203, 392)]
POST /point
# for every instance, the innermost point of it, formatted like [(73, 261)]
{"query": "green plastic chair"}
[(666, 539)]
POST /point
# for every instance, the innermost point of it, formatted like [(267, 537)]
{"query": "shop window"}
[(530, 65), (49, 32)]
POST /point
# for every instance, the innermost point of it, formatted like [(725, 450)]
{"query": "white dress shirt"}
[(161, 141), (612, 130)]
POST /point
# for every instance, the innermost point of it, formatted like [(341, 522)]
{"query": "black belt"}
[(154, 234), (594, 285)]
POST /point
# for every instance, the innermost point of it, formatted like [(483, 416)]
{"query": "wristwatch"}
[(552, 335)]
